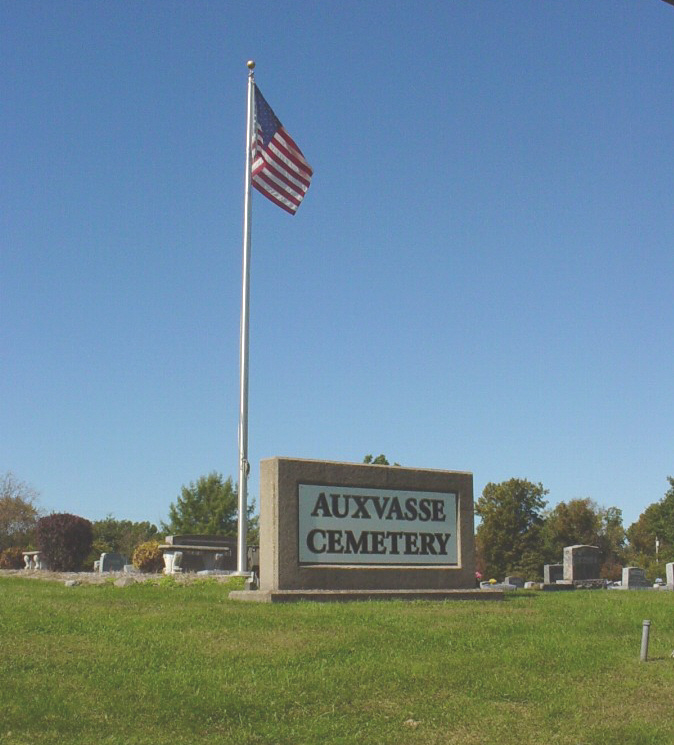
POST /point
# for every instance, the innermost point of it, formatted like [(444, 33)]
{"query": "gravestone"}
[(552, 573), (516, 581), (669, 568), (581, 563), (634, 578), (111, 562)]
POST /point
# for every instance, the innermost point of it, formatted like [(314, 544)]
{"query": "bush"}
[(12, 558), (148, 557), (64, 541)]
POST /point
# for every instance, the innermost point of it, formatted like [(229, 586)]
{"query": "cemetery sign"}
[(356, 525), (335, 529)]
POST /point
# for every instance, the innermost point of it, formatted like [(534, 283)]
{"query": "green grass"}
[(168, 663)]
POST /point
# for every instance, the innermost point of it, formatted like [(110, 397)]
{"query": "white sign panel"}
[(352, 525)]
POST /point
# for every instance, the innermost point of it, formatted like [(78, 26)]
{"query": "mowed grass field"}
[(164, 663)]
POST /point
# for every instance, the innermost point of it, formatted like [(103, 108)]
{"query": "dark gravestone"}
[(634, 578), (516, 581), (552, 573), (581, 563), (111, 562)]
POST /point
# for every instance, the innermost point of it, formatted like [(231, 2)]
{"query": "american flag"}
[(279, 169)]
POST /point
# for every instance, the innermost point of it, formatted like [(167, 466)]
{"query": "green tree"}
[(656, 521), (582, 521), (122, 536), (18, 513), (209, 506), (380, 460), (509, 537)]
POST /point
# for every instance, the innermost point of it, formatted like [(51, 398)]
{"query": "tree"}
[(18, 513), (582, 521), (119, 536), (122, 536), (209, 507), (380, 460), (656, 521), (509, 537)]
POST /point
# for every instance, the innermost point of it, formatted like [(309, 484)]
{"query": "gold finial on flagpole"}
[(250, 64)]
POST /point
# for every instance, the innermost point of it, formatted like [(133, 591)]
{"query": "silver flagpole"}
[(244, 466)]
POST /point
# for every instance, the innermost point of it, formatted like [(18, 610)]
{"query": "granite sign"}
[(342, 531), (356, 525)]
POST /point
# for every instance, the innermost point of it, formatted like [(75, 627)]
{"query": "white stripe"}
[(291, 148), (265, 187), (287, 189), (288, 162), (290, 176)]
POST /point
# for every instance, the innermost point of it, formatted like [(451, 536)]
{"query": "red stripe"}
[(293, 146), (263, 178), (273, 159), (272, 198), (299, 162), (282, 173)]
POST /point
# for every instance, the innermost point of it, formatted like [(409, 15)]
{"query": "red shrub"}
[(64, 541)]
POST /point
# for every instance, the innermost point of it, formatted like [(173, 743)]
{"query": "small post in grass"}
[(645, 631)]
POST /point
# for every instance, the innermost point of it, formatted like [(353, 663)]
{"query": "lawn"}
[(165, 663)]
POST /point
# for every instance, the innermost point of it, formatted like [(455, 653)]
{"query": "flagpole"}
[(244, 466)]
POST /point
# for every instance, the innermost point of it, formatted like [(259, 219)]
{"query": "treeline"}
[(517, 535), (207, 506)]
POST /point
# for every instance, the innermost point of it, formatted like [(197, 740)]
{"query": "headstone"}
[(71, 583), (669, 568), (581, 563), (552, 573), (112, 562), (531, 585), (130, 569), (517, 581), (634, 578)]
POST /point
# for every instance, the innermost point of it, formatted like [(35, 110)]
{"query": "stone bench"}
[(194, 553), (32, 560)]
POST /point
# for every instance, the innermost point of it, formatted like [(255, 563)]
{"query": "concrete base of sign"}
[(337, 596)]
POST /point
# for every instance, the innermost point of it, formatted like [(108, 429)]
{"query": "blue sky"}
[(479, 279)]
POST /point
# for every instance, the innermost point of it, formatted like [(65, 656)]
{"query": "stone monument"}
[(581, 563), (514, 581), (352, 531), (112, 562), (634, 578), (552, 573), (669, 568)]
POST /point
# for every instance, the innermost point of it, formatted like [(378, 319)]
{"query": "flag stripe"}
[(275, 197), (293, 183), (279, 169), (266, 184), (285, 161)]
